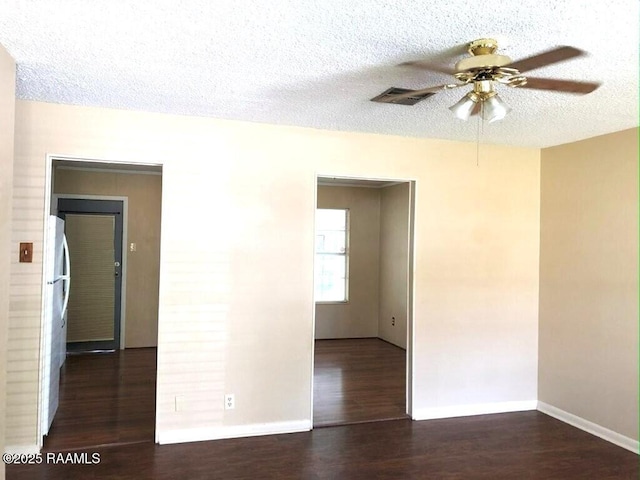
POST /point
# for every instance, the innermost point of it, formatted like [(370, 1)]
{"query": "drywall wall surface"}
[(589, 280), (236, 313), (8, 249), (358, 317), (394, 264)]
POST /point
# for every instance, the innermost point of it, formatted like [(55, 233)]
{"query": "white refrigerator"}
[(56, 299)]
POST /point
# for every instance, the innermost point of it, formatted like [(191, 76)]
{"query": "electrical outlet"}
[(229, 401), (393, 321), (179, 403)]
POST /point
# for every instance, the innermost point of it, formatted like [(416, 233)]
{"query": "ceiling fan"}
[(483, 70)]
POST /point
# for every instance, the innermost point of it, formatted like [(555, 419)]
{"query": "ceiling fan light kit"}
[(464, 108), (494, 109), (484, 97), (484, 69)]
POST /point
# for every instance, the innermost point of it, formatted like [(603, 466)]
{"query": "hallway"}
[(105, 399)]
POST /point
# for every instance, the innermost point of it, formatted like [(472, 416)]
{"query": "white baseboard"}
[(236, 431), (22, 449), (475, 409), (590, 427)]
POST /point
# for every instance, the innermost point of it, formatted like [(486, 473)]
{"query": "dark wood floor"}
[(105, 398), (358, 380), (109, 399), (526, 445)]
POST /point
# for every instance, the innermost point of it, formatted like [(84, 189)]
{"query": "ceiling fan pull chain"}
[(478, 130)]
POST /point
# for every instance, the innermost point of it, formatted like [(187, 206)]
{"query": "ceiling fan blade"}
[(543, 59), (559, 85), (426, 65), (436, 61)]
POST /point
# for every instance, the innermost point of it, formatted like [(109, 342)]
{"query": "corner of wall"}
[(7, 123)]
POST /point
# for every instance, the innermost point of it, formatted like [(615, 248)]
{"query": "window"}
[(331, 267)]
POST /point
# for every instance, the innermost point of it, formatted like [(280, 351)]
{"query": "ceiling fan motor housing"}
[(478, 62), (483, 56), (482, 46)]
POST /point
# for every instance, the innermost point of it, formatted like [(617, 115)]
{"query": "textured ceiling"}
[(317, 63)]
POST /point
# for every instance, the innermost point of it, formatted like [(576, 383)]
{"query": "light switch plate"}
[(26, 252)]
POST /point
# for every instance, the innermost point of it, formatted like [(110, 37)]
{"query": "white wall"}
[(589, 281), (358, 318), (394, 264), (236, 274), (7, 115)]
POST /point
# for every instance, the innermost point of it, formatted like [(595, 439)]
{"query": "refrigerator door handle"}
[(67, 274)]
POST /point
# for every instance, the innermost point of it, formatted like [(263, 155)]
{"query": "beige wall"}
[(144, 194), (359, 317), (236, 290), (589, 280), (394, 264), (7, 252)]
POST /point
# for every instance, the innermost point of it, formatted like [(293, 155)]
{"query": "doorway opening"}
[(363, 325), (107, 379)]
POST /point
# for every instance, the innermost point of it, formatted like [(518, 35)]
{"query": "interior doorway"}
[(363, 326), (112, 221)]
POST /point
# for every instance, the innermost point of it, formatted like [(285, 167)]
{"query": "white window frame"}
[(346, 256)]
